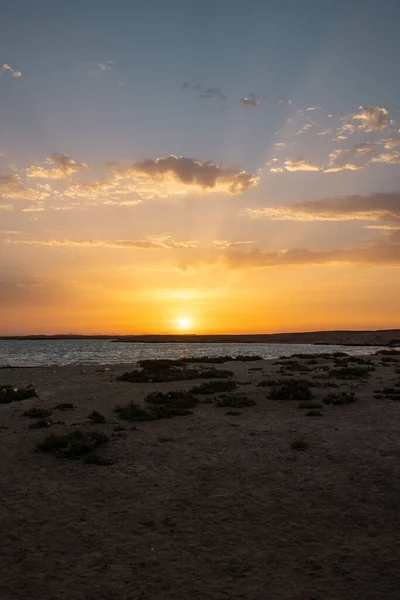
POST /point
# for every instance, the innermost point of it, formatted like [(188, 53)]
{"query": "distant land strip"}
[(385, 337)]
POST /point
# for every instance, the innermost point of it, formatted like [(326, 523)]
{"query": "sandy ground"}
[(206, 506)]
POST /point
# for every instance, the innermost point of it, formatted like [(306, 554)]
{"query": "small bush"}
[(340, 398), (168, 373), (64, 406), (309, 405), (40, 424), (268, 383), (313, 413), (213, 387), (389, 359), (292, 389), (234, 401), (96, 417), (94, 459), (72, 445), (351, 372), (12, 393), (37, 413), (172, 399), (388, 353), (134, 412), (299, 443)]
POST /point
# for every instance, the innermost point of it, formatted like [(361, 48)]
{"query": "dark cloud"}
[(190, 172), (213, 92)]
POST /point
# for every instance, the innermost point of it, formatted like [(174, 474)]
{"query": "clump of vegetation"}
[(391, 393), (172, 399), (134, 412), (95, 459), (214, 387), (12, 393), (340, 398), (388, 353), (313, 413), (96, 417), (268, 383), (299, 443), (180, 362), (234, 400), (158, 371), (37, 413), (309, 405), (292, 389), (295, 365), (72, 445), (40, 424), (351, 372), (389, 359), (64, 406)]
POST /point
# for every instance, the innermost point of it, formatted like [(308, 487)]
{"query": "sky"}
[(213, 167)]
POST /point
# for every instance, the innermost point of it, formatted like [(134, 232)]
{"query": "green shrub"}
[(159, 374), (234, 401), (309, 405), (213, 387), (292, 389), (96, 417), (72, 445), (40, 424), (339, 398), (172, 399), (12, 393), (351, 372), (299, 443), (134, 412), (64, 406), (37, 413)]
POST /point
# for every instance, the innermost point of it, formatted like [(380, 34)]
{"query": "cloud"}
[(300, 164), (11, 187), (104, 67), (283, 100), (222, 244), (159, 242), (65, 167), (213, 92), (386, 251), (250, 101), (342, 159), (373, 118), (326, 132), (188, 173), (191, 85), (305, 127), (389, 158), (384, 206), (344, 167), (6, 206), (6, 68), (390, 143)]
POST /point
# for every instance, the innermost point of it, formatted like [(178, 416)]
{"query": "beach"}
[(252, 502)]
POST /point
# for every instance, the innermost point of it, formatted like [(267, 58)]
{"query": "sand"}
[(205, 506)]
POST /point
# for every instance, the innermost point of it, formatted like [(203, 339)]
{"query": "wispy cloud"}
[(300, 164), (64, 167), (7, 69), (250, 101), (160, 242), (222, 244), (386, 251), (213, 92), (389, 158), (373, 118), (11, 187), (106, 66), (344, 208)]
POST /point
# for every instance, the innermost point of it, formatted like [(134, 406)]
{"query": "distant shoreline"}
[(387, 337)]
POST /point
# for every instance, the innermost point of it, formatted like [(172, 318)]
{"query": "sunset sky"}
[(207, 167)]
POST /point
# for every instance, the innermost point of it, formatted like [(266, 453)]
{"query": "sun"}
[(184, 322)]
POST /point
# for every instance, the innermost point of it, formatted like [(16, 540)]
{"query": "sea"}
[(38, 353)]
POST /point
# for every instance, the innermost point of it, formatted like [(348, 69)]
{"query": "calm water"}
[(65, 352)]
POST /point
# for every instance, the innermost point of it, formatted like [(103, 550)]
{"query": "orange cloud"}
[(65, 167)]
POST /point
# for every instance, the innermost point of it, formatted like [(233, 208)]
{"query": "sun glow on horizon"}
[(184, 322)]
